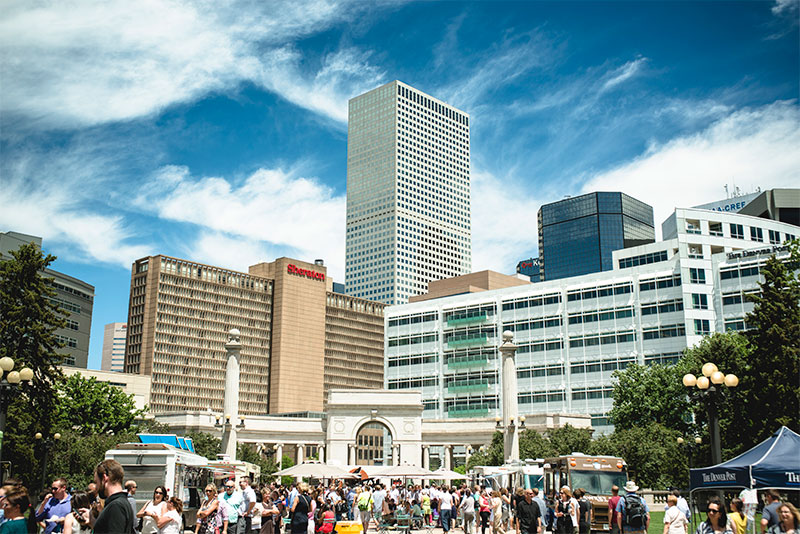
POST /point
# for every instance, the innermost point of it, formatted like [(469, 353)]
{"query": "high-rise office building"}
[(75, 299), (299, 338), (113, 357), (577, 235), (408, 193), (573, 333)]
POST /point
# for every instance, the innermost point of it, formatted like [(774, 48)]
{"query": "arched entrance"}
[(373, 444)]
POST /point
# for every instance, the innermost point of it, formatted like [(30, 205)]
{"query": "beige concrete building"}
[(469, 283), (299, 339)]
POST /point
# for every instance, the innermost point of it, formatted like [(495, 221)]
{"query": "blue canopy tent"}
[(773, 463)]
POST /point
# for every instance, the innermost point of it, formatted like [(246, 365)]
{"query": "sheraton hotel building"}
[(300, 338)]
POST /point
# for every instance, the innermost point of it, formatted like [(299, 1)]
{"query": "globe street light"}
[(709, 390), (9, 383), (48, 444)]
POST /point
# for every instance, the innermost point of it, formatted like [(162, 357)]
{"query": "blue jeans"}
[(445, 517)]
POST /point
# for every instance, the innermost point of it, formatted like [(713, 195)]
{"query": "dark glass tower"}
[(577, 235)]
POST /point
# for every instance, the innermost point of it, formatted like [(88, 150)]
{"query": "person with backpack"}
[(633, 515)]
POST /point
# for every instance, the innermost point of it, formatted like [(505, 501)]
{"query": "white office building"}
[(573, 333), (408, 193), (113, 356)]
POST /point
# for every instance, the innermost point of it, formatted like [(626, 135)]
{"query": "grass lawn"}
[(657, 522)]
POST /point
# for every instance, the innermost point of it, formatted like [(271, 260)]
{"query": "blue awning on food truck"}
[(179, 442)]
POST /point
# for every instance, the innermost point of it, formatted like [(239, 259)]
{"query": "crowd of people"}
[(108, 506)]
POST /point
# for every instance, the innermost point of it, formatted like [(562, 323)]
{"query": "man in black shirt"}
[(117, 516), (529, 518)]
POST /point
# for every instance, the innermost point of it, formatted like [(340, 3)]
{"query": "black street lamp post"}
[(48, 444), (9, 384), (709, 388)]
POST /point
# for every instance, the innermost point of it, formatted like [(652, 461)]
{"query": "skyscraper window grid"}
[(408, 193)]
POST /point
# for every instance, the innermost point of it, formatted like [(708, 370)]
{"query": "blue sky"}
[(217, 131)]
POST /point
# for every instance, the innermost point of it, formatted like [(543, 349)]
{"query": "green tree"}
[(652, 453), (534, 445), (75, 455), (731, 353), (29, 319), (205, 444), (770, 378), (247, 452), (92, 407), (568, 439), (645, 394), (491, 455)]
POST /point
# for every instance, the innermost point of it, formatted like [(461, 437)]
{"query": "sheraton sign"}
[(294, 269)]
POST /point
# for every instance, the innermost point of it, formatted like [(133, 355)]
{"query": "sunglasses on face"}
[(157, 492), (713, 511), (54, 488)]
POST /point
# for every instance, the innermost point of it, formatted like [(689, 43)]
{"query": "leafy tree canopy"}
[(91, 407)]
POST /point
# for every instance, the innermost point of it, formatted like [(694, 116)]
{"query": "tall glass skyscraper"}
[(578, 234), (408, 193)]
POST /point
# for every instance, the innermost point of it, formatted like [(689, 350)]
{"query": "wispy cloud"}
[(749, 147), (782, 6), (623, 73), (111, 60), (269, 210)]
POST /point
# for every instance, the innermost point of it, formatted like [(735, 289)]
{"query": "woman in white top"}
[(151, 511), (77, 522), (674, 519), (171, 521)]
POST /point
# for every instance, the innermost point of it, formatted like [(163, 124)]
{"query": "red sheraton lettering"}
[(294, 269)]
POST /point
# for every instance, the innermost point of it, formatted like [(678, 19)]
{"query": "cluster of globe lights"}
[(711, 375), (15, 377)]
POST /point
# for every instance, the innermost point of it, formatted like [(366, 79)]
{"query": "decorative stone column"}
[(395, 455), (426, 456), (279, 453), (301, 451), (231, 397), (510, 431), (448, 456), (351, 454), (321, 452), (467, 453)]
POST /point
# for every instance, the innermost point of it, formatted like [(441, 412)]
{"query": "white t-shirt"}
[(255, 522), (575, 511), (676, 519), (174, 526), (446, 500)]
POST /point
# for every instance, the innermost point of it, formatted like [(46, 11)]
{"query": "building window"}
[(737, 231), (756, 234), (699, 301), (774, 237), (692, 227), (696, 251), (697, 276), (701, 327), (715, 228)]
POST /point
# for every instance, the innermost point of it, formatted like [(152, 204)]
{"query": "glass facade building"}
[(577, 235)]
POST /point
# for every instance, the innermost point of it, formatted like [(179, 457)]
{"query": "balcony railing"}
[(467, 361), (464, 386), (467, 340), (466, 318)]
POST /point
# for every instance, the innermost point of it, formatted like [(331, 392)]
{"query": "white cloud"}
[(623, 73), (70, 64), (228, 250), (503, 222), (782, 6), (68, 231), (748, 148), (268, 211)]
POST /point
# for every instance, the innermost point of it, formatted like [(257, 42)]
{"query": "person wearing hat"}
[(629, 524)]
